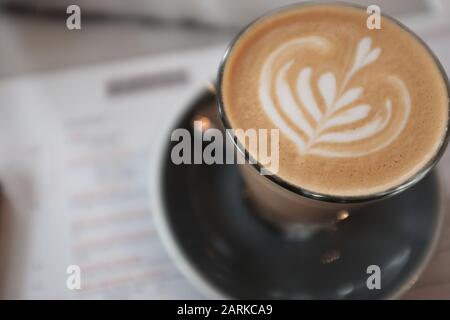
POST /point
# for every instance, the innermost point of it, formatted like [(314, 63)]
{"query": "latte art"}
[(359, 111), (342, 105)]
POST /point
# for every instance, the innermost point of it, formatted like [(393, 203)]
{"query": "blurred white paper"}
[(75, 152)]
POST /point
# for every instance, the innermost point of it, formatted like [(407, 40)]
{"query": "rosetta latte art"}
[(341, 104)]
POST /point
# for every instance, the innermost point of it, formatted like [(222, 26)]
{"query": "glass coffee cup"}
[(294, 46)]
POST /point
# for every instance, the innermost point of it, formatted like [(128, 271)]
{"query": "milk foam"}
[(359, 111), (336, 96)]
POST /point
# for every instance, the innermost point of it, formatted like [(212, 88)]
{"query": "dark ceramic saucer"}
[(223, 248)]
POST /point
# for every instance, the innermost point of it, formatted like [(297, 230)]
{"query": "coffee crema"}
[(359, 111)]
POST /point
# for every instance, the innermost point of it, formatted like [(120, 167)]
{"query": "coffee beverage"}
[(359, 111)]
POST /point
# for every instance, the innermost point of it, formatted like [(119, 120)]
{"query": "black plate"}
[(212, 226)]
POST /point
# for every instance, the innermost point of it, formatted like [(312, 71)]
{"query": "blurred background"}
[(34, 37), (80, 115)]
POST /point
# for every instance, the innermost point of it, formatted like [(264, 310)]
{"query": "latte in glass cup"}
[(362, 114), (359, 111)]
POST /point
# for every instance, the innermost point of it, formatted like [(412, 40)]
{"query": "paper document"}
[(75, 152)]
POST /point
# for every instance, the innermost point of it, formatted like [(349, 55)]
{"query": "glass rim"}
[(415, 178)]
